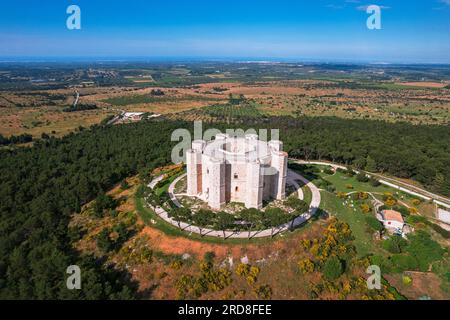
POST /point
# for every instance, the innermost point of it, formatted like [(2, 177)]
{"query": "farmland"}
[(196, 91)]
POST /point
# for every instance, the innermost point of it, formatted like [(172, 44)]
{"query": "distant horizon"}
[(288, 30), (191, 59)]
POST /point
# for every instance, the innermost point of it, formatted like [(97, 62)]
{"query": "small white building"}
[(443, 215), (236, 169), (392, 220), (132, 116)]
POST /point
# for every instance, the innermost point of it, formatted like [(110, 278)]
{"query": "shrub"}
[(297, 204), (403, 210), (403, 262), (333, 268), (306, 266), (362, 195), (252, 275), (242, 269), (209, 256), (395, 244), (176, 265), (349, 172), (103, 202), (342, 195), (374, 182), (385, 264), (407, 280), (374, 224), (424, 249), (361, 177), (263, 292), (349, 186), (124, 185), (365, 208), (103, 240)]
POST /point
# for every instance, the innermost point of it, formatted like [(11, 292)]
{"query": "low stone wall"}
[(292, 176)]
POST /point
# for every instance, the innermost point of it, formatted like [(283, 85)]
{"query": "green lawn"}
[(307, 194), (340, 180), (355, 219)]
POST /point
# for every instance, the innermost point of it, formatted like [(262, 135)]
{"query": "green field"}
[(355, 219), (147, 98), (232, 111)]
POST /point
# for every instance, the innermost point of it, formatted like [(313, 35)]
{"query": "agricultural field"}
[(202, 91)]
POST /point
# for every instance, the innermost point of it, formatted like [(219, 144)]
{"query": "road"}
[(77, 97), (403, 186)]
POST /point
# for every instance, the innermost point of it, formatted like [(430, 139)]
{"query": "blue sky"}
[(412, 31)]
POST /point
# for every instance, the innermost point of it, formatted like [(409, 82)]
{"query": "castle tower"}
[(194, 168), (216, 183), (254, 185), (279, 164), (241, 169)]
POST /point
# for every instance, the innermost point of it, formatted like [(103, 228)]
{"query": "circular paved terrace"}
[(292, 178)]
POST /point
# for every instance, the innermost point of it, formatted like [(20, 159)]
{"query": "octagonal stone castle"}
[(236, 169)]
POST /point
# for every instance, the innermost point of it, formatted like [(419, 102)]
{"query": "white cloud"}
[(364, 8)]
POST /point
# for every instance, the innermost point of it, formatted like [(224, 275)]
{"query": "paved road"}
[(77, 97), (292, 177), (403, 186)]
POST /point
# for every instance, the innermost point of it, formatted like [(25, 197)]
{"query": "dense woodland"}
[(41, 186), (23, 138)]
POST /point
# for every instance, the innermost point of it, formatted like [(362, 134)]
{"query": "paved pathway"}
[(155, 181), (292, 177)]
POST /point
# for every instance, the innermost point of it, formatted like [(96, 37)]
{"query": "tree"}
[(224, 221), (333, 268), (371, 165), (180, 214), (272, 218), (395, 244), (203, 218), (376, 225), (424, 249), (361, 177), (252, 217), (124, 185), (374, 182), (103, 202), (104, 241)]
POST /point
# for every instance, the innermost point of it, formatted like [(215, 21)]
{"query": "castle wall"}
[(237, 182), (242, 170), (279, 163), (194, 172), (254, 189), (206, 178), (217, 184)]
